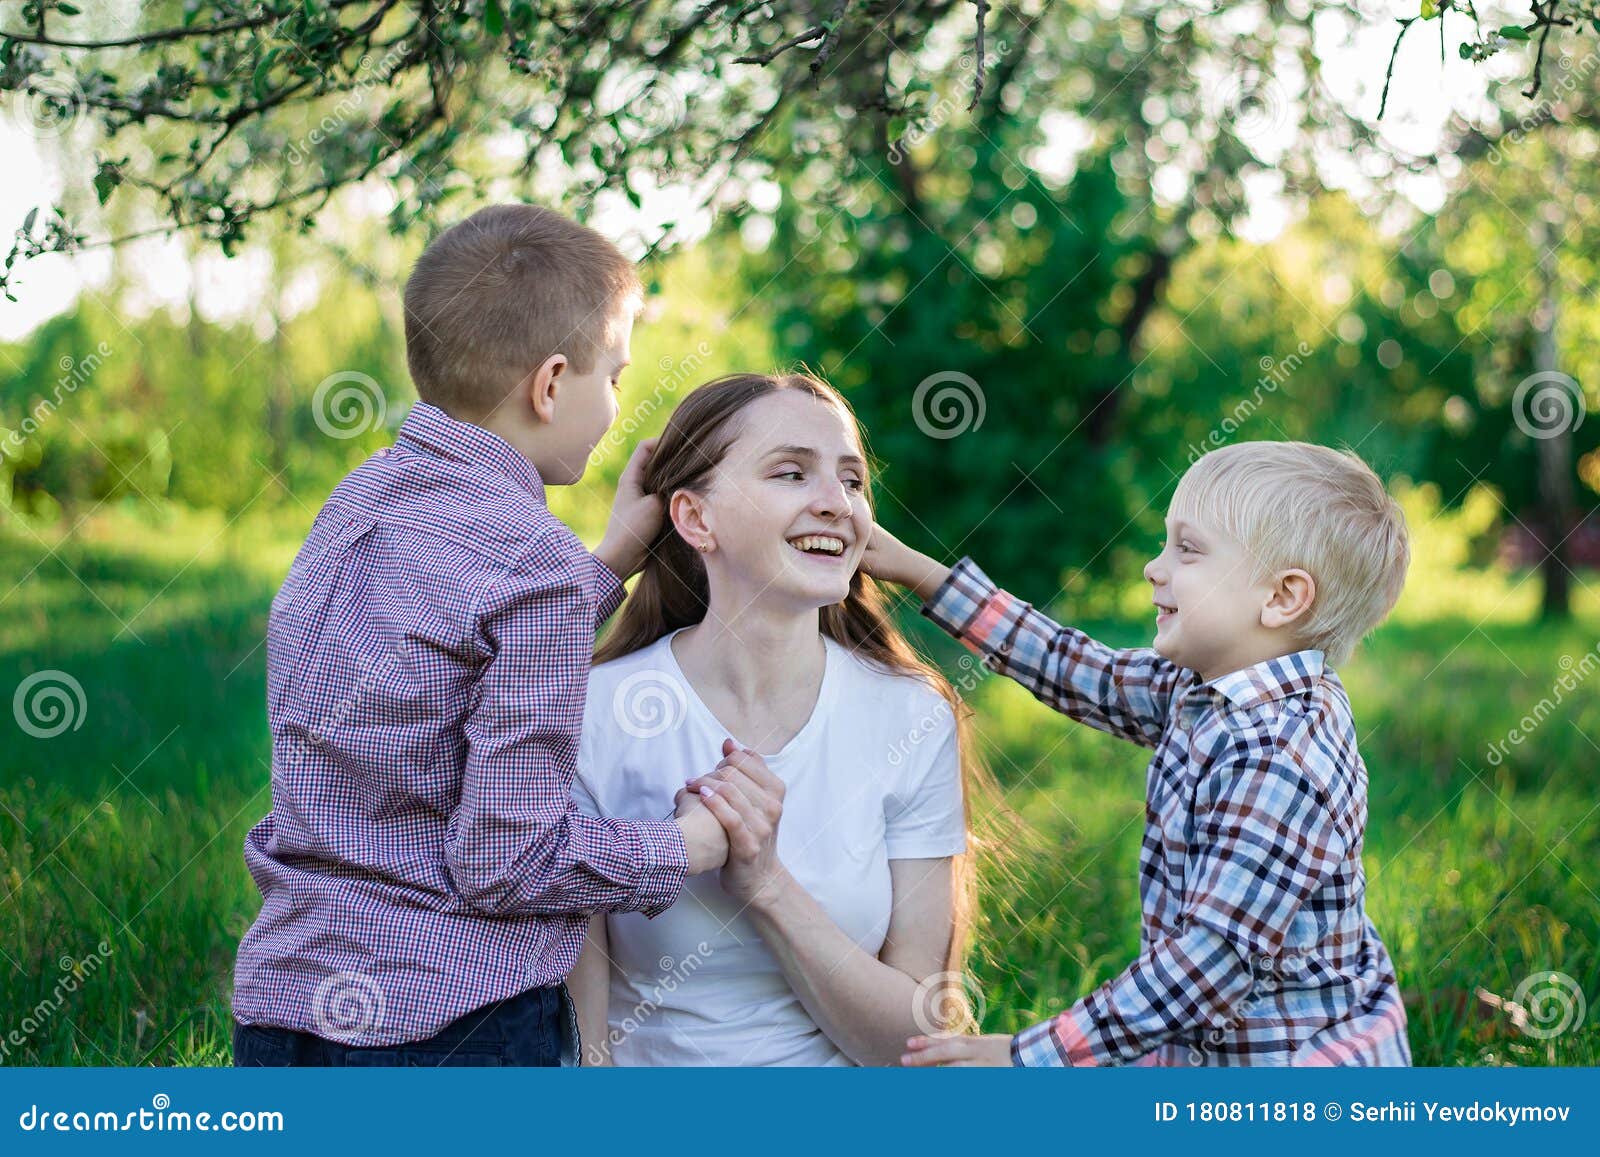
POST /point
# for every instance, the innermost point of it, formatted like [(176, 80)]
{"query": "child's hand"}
[(744, 794), (891, 560), (704, 839), (991, 1051), (635, 517)]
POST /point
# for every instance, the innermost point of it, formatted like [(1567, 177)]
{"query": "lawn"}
[(125, 893)]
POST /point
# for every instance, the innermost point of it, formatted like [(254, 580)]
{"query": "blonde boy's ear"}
[(539, 387), (1291, 599)]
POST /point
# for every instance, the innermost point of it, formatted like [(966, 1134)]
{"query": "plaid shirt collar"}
[(433, 431), (1255, 686)]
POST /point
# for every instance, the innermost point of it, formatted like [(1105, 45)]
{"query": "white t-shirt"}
[(873, 776)]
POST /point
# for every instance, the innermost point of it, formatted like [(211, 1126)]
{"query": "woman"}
[(751, 626)]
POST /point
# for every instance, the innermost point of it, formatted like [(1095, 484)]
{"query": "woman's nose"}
[(831, 499), (1150, 570)]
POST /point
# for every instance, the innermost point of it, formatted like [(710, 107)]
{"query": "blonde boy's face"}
[(1208, 608)]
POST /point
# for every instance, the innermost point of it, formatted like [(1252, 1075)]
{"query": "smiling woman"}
[(753, 627)]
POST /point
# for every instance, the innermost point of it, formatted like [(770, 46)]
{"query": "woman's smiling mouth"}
[(819, 545)]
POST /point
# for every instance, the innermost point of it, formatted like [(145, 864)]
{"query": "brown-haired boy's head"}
[(518, 320)]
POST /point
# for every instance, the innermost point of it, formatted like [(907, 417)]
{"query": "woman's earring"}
[(703, 546)]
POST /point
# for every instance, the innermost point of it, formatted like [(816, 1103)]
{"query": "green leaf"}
[(258, 82), (27, 222), (1464, 49), (1429, 9), (1514, 32), (67, 9), (106, 179), (494, 20)]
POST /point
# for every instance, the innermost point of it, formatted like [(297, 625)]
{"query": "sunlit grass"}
[(127, 830)]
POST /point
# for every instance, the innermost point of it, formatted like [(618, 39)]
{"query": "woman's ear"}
[(540, 387), (1291, 599), (687, 511)]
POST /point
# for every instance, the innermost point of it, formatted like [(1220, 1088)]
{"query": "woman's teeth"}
[(818, 544)]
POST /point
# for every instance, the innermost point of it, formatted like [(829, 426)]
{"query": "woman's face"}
[(786, 509)]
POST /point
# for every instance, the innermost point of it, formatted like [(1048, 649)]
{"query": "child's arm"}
[(1125, 692), (1266, 839), (634, 523), (515, 844)]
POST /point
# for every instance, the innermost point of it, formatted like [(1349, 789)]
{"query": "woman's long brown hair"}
[(671, 592)]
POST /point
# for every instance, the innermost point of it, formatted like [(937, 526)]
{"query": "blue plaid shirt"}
[(427, 661), (1256, 946)]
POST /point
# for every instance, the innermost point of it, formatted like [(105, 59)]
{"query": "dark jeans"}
[(522, 1030)]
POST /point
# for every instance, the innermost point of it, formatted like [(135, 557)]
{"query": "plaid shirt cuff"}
[(972, 609), (608, 592), (1057, 1043), (665, 861)]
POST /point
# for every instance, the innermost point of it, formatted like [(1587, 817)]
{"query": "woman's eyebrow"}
[(810, 455)]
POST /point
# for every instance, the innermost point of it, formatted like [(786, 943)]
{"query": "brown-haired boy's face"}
[(587, 403)]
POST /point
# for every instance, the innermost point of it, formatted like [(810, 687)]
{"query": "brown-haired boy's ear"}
[(1292, 596), (540, 387)]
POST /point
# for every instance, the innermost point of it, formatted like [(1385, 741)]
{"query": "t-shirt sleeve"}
[(586, 780), (924, 817)]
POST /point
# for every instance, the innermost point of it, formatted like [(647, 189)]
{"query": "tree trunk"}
[(1557, 501)]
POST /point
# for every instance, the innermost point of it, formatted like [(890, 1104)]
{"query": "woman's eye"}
[(1185, 547), (855, 484), (792, 474)]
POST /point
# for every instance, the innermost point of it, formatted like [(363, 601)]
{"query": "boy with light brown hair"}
[(426, 881)]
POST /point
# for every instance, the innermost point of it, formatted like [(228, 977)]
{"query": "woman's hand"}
[(991, 1051), (891, 560), (747, 799)]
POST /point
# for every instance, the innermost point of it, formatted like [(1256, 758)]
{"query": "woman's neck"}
[(756, 658)]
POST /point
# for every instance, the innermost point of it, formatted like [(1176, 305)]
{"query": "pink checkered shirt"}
[(427, 660)]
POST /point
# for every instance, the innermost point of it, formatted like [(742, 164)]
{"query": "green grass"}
[(126, 830)]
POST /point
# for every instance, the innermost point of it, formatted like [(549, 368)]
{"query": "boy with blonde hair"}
[(425, 880), (1256, 946)]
